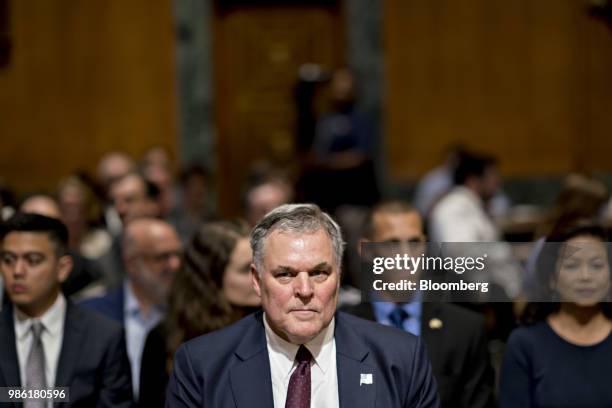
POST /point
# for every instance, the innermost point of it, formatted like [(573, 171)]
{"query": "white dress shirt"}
[(461, 217), (323, 374), (51, 338), (137, 327)]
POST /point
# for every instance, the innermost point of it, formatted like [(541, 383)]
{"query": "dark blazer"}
[(93, 360), (231, 367), (110, 264), (153, 373), (110, 305), (457, 350)]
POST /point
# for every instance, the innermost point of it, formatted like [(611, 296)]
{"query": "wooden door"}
[(258, 49)]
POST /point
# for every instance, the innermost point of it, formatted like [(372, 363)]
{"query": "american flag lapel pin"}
[(365, 379)]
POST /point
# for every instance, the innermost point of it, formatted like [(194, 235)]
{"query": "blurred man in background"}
[(461, 216), (42, 204), (266, 194), (132, 197), (111, 167), (151, 257)]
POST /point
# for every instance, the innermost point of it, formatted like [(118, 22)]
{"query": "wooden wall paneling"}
[(515, 79), (85, 77), (598, 57)]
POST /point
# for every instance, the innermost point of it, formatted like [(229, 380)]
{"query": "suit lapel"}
[(9, 366), (432, 336), (251, 379), (71, 343), (356, 379)]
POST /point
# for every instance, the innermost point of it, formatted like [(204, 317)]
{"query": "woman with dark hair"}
[(212, 290), (582, 197), (562, 357)]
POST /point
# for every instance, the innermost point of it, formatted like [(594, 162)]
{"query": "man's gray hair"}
[(295, 218)]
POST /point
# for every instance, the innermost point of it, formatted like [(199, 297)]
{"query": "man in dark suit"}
[(454, 337), (46, 341), (299, 352)]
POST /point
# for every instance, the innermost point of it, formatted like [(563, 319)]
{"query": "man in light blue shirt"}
[(409, 319), (151, 256), (138, 322)]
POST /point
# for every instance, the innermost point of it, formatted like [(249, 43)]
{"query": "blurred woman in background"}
[(582, 197), (212, 290), (563, 354)]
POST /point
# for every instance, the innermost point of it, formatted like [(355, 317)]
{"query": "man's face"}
[(113, 167), (73, 205), (398, 227), (32, 271), (130, 199), (264, 199), (298, 284), (155, 262), (402, 232)]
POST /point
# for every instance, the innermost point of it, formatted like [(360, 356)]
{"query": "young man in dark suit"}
[(46, 341), (454, 337), (300, 353)]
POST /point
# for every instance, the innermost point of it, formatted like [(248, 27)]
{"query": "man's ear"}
[(255, 280), (65, 265)]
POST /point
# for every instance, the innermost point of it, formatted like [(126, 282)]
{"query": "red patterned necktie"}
[(298, 392)]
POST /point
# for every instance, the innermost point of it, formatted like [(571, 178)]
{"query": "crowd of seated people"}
[(106, 277)]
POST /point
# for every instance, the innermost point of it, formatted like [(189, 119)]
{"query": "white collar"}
[(52, 320), (321, 347)]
